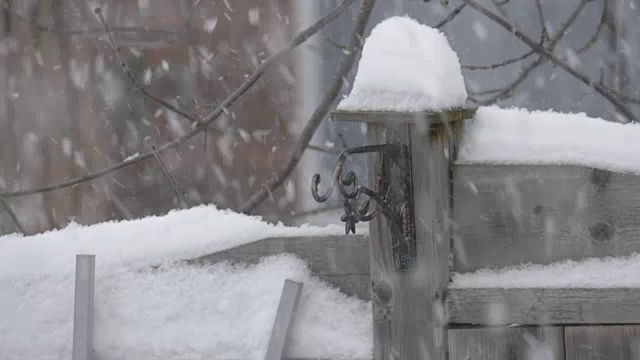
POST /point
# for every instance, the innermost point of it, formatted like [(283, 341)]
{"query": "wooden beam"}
[(542, 214), (284, 320), (408, 117), (500, 307), (83, 308), (342, 261)]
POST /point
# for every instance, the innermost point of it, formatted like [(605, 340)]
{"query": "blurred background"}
[(68, 108)]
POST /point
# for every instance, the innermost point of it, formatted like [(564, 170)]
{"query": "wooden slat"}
[(83, 308), (601, 342), (342, 261), (283, 324), (542, 214), (408, 117), (543, 306), (527, 343)]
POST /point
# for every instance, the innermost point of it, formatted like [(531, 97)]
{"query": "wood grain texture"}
[(543, 306), (542, 214), (601, 342), (408, 117), (408, 309), (522, 343), (342, 261)]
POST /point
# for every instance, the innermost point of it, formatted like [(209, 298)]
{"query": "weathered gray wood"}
[(542, 214), (543, 306), (634, 347), (408, 310), (284, 320), (342, 261), (601, 342), (409, 117), (522, 343), (83, 308)]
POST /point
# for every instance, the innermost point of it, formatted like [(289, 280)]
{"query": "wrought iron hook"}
[(392, 195)]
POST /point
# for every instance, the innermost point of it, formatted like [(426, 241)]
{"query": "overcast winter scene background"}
[(152, 132)]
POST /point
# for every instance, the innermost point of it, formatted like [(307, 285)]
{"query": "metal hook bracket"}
[(392, 193)]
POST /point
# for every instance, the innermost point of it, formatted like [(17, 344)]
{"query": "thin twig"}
[(346, 64), (451, 16), (174, 184), (500, 64), (550, 44), (209, 119), (617, 104), (12, 215), (125, 68), (592, 40), (170, 36), (543, 23)]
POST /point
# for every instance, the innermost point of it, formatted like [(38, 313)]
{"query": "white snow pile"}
[(518, 136), (406, 66), (610, 272), (172, 310)]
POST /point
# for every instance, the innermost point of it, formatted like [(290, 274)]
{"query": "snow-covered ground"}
[(175, 311)]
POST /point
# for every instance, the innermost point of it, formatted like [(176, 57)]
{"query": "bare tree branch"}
[(617, 104), (12, 215), (592, 40), (206, 121), (451, 16), (543, 23), (168, 35), (500, 64), (125, 68), (174, 184), (346, 63), (550, 44)]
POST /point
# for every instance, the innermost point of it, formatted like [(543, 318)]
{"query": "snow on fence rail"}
[(459, 190)]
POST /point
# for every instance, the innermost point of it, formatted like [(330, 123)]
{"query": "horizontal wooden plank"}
[(499, 307), (531, 343), (342, 261), (404, 117), (602, 342), (542, 214)]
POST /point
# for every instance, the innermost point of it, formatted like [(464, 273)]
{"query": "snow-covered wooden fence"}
[(458, 190)]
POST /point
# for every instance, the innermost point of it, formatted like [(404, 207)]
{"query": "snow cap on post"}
[(406, 67)]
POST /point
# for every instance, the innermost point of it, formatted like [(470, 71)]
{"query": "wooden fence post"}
[(284, 320), (83, 308), (409, 168)]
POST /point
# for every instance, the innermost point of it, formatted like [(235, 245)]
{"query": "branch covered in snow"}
[(204, 123), (346, 63)]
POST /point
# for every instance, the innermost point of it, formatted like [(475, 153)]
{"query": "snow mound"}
[(518, 136), (170, 310), (610, 272), (179, 312), (406, 67), (152, 240)]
